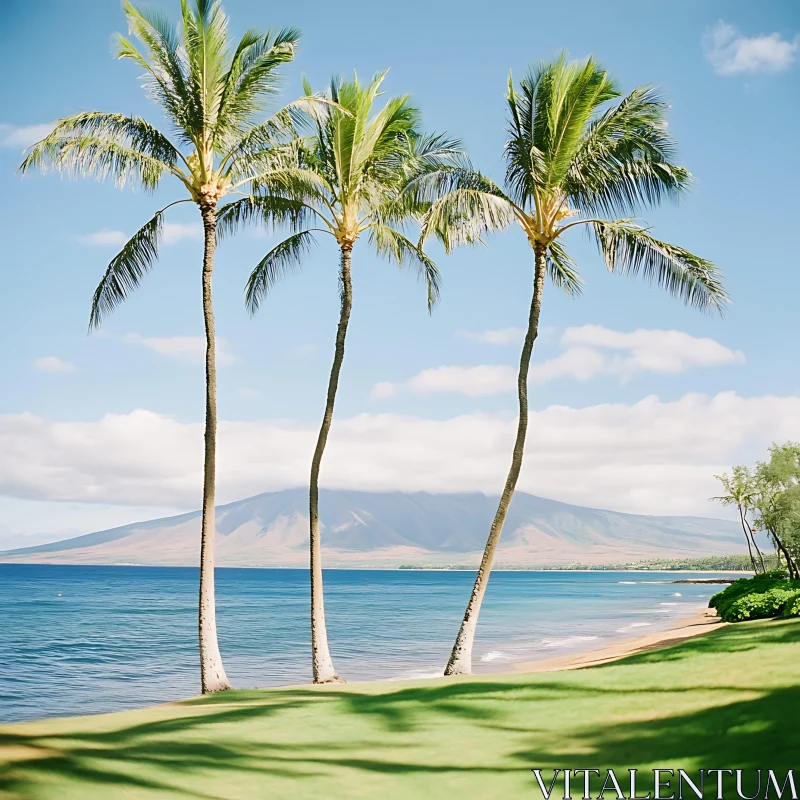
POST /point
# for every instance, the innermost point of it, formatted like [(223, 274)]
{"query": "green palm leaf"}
[(97, 157), (126, 270), (269, 210), (629, 249), (563, 271), (282, 259), (397, 248)]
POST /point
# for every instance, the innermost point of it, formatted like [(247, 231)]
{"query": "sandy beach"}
[(703, 622)]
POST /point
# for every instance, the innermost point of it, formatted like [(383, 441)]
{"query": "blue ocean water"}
[(89, 639)]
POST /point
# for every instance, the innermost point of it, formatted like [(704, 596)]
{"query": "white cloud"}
[(649, 457), (648, 350), (22, 136), (730, 53), (585, 357), (497, 336), (477, 381), (182, 348), (53, 364), (174, 233), (383, 390), (103, 238)]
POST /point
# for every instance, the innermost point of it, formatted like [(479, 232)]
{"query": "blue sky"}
[(730, 71)]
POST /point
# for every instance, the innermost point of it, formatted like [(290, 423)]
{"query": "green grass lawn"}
[(728, 699)]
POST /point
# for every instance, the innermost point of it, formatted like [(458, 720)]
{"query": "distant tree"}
[(211, 95), (346, 180), (777, 501), (740, 491), (569, 166)]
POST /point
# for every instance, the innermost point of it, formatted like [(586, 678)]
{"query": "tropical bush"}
[(792, 607), (767, 595)]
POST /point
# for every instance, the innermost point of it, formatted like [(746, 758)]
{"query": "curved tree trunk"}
[(748, 529), (460, 662), (212, 673), (747, 537), (790, 565), (321, 661)]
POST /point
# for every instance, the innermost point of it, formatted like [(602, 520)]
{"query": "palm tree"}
[(740, 491), (211, 95), (346, 179), (569, 165)]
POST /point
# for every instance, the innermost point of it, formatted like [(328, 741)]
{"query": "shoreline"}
[(698, 624), (355, 568)]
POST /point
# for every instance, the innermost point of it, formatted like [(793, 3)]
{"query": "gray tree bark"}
[(745, 528), (755, 543), (460, 662), (212, 672), (321, 661)]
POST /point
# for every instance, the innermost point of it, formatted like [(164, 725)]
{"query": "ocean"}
[(91, 639)]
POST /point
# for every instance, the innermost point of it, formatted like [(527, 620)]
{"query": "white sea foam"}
[(677, 594), (634, 625), (567, 641), (628, 583), (494, 655)]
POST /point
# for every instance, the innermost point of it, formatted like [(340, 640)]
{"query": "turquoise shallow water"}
[(89, 639)]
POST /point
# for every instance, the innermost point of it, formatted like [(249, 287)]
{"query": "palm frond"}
[(165, 63), (97, 157), (626, 159), (462, 206), (131, 133), (563, 271), (268, 210), (297, 183), (397, 248), (547, 118), (282, 259), (258, 146), (252, 78), (126, 270), (629, 249), (578, 89), (205, 40)]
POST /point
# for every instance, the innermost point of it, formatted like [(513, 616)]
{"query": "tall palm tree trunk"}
[(321, 661), (460, 662), (747, 537), (212, 673), (755, 543)]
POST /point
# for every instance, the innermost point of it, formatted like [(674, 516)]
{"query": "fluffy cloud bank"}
[(589, 351), (19, 137), (648, 457), (183, 348), (497, 336), (53, 364), (173, 233), (730, 53)]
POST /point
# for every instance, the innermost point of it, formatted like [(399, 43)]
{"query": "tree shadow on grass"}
[(212, 742), (736, 638), (747, 735)]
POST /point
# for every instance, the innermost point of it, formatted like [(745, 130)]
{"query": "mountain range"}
[(387, 529)]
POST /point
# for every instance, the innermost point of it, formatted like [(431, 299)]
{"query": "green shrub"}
[(730, 594), (760, 605), (772, 574), (792, 607), (757, 598)]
